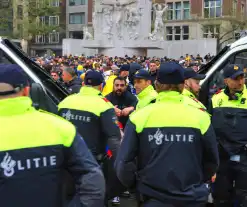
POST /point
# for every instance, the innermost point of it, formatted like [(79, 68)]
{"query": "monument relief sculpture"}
[(158, 32), (133, 21), (108, 21), (119, 7), (86, 34)]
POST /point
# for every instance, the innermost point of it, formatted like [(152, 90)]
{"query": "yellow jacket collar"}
[(89, 91), (15, 106), (145, 92), (188, 93), (169, 96)]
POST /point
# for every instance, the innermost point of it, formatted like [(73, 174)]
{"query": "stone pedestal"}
[(135, 21), (121, 52)]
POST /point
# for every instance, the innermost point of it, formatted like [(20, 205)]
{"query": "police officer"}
[(34, 154), (229, 120), (144, 89), (95, 119), (192, 87), (93, 115), (175, 146)]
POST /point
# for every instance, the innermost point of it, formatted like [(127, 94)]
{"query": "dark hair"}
[(55, 71), (121, 79)]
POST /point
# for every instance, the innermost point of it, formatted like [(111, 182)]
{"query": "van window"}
[(4, 58)]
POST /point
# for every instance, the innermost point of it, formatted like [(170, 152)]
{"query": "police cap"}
[(190, 73), (13, 75), (125, 67), (233, 70), (142, 74), (170, 73), (93, 78)]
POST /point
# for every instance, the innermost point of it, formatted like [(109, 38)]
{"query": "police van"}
[(235, 53), (45, 92)]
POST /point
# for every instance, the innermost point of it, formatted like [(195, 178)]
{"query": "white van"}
[(235, 53)]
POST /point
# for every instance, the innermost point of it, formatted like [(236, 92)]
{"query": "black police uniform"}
[(175, 147), (229, 119)]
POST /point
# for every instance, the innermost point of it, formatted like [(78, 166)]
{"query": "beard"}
[(119, 92)]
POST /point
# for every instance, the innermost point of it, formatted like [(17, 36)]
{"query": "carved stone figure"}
[(86, 34), (108, 21), (158, 31), (132, 22), (119, 13)]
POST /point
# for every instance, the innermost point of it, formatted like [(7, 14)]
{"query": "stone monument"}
[(122, 27)]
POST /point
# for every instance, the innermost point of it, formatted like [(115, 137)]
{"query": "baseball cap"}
[(233, 70), (125, 67), (170, 73), (93, 78), (13, 75), (142, 74), (190, 73)]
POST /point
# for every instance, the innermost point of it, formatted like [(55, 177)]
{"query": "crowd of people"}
[(135, 120)]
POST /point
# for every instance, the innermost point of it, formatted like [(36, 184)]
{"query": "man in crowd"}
[(175, 147), (55, 75), (144, 89), (123, 100), (153, 70), (71, 80)]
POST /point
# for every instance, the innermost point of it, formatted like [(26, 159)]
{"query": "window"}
[(54, 20), (178, 10), (20, 29), (170, 11), (185, 32), (40, 39), (55, 3), (212, 8), (169, 33), (237, 35), (77, 2), (76, 35), (211, 31), (242, 9), (41, 21), (54, 37), (77, 18), (19, 12), (177, 33), (186, 10), (234, 7)]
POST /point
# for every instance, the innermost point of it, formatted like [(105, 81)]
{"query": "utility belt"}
[(237, 156), (240, 156)]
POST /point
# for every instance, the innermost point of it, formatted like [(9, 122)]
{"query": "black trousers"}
[(155, 203), (230, 188)]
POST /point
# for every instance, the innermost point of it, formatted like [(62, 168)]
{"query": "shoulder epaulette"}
[(195, 100), (105, 99), (219, 91)]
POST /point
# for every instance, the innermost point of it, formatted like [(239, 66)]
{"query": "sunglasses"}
[(121, 85)]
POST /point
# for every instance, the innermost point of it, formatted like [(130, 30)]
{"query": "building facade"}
[(78, 15), (196, 19), (51, 43)]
